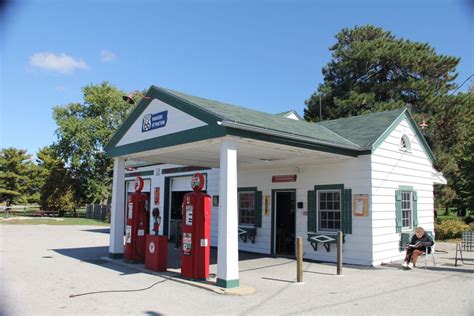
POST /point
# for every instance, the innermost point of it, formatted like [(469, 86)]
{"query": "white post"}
[(227, 243), (117, 210)]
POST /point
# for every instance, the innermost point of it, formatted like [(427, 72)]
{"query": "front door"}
[(285, 223)]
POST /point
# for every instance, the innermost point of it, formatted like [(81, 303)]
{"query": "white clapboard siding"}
[(352, 172), (392, 168)]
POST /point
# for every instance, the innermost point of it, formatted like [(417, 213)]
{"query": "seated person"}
[(417, 246)]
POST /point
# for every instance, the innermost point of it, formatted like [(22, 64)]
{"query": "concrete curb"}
[(208, 285)]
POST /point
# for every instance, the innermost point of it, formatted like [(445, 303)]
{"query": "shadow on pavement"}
[(98, 230), (93, 255), (279, 280), (151, 313)]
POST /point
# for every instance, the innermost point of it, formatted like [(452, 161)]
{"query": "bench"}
[(326, 239), (247, 233), (41, 213), (467, 244)]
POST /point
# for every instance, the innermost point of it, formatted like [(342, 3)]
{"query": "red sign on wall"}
[(157, 195), (284, 178)]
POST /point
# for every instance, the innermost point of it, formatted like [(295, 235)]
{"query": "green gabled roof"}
[(351, 136), (364, 130), (264, 120)]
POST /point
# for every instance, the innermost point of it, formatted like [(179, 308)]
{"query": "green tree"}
[(83, 131), (16, 174), (56, 191), (371, 70)]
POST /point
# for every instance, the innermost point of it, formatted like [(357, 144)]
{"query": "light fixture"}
[(129, 98), (423, 124)]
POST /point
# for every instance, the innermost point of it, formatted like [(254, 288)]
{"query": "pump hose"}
[(116, 291)]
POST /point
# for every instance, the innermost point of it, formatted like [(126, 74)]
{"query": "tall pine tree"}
[(372, 70)]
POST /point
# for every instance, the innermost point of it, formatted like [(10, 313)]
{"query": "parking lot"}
[(42, 266)]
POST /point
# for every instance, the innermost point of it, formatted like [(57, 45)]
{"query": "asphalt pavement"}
[(60, 270)]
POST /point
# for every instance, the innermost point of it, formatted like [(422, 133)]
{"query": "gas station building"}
[(274, 177)]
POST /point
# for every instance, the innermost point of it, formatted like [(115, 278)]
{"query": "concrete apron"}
[(175, 275)]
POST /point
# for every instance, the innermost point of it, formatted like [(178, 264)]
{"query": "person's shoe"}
[(410, 266), (404, 264)]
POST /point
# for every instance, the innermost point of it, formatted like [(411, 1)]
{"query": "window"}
[(329, 209), (246, 208), (407, 209), (405, 144)]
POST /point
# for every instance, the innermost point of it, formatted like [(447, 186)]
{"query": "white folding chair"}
[(426, 254)]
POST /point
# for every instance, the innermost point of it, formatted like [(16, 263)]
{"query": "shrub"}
[(450, 228)]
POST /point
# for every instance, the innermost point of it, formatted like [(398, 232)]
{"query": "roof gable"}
[(291, 114), (158, 119), (370, 130)]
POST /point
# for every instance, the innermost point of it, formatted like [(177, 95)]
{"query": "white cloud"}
[(57, 62), (106, 56)]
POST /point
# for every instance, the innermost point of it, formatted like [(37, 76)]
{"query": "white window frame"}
[(253, 210), (318, 210), (404, 209)]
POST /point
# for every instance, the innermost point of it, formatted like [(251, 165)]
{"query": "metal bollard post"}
[(299, 259), (339, 253)]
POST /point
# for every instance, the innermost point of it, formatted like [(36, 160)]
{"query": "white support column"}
[(227, 239), (117, 210)]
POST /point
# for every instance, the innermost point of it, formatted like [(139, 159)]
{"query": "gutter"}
[(262, 130)]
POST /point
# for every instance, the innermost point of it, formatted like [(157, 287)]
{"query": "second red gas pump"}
[(196, 231)]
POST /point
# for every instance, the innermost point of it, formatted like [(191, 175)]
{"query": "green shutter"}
[(346, 220), (398, 210), (258, 209), (415, 210), (311, 211)]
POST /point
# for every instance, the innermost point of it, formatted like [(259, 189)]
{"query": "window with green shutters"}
[(330, 209), (250, 206), (406, 208)]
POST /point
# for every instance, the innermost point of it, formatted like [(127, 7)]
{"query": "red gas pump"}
[(196, 231), (136, 224)]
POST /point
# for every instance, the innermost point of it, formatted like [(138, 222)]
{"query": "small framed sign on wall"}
[(266, 210), (157, 196), (360, 205), (215, 200)]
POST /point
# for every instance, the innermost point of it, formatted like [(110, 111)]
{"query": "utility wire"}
[(116, 291), (472, 75)]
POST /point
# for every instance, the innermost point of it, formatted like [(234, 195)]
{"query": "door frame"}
[(274, 215), (166, 220)]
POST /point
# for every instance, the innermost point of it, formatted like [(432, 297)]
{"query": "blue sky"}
[(266, 55)]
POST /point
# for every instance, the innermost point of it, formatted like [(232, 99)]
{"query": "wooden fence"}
[(98, 211)]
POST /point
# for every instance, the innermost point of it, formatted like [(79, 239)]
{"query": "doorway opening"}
[(285, 222), (176, 213)]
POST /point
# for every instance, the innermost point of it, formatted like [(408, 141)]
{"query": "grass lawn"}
[(52, 221)]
